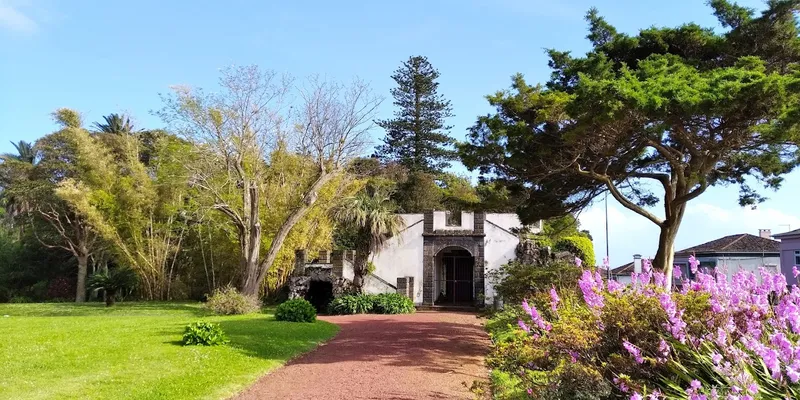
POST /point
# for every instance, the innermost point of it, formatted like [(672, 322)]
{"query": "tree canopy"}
[(658, 117)]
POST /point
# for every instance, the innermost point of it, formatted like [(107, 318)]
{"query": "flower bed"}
[(715, 338)]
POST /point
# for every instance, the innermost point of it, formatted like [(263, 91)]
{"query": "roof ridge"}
[(741, 235)]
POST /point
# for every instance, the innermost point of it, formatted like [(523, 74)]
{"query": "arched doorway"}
[(454, 282), (320, 294)]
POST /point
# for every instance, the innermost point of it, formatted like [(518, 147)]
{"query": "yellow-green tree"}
[(235, 133)]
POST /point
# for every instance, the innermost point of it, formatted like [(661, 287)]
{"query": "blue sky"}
[(108, 56)]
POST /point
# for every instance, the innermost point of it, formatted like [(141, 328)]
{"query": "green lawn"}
[(133, 351)]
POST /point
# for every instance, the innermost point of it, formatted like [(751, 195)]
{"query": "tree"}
[(235, 133), (25, 153), (373, 218), (138, 210), (115, 123), (655, 118), (15, 167), (60, 160), (417, 136)]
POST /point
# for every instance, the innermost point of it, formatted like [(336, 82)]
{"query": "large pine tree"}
[(417, 136)]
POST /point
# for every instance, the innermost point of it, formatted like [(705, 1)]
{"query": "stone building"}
[(439, 258), (443, 258)]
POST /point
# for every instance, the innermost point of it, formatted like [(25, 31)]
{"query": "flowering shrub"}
[(716, 338)]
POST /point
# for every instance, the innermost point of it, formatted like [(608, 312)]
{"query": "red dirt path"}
[(427, 355)]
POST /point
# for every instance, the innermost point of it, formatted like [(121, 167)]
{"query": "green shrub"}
[(516, 281), (228, 301), (296, 310), (582, 247), (392, 303), (20, 299), (384, 303), (351, 304), (204, 334)]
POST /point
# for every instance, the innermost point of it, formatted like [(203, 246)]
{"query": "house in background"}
[(622, 274), (734, 252), (790, 252), (743, 251)]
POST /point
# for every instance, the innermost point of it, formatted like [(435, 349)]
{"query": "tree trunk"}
[(252, 282), (111, 297), (665, 255), (83, 267), (250, 239), (359, 270)]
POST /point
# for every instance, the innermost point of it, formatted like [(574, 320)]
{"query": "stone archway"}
[(433, 246), (453, 277)]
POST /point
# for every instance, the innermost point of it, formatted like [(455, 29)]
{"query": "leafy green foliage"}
[(581, 246), (516, 281), (351, 304), (392, 303), (372, 217), (296, 310), (203, 333), (113, 282), (228, 301), (626, 118), (384, 303), (417, 136)]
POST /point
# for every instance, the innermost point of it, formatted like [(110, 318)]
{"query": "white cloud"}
[(744, 220), (12, 18)]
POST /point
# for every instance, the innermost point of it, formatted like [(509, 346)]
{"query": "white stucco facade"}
[(398, 257), (491, 239)]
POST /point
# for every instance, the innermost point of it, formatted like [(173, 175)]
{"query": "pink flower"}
[(554, 299), (524, 326), (578, 262), (795, 271), (693, 263), (636, 396), (635, 351), (676, 272)]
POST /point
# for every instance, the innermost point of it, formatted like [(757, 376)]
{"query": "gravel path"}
[(427, 355)]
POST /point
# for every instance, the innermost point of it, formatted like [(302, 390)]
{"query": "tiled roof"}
[(623, 269), (741, 243), (795, 232)]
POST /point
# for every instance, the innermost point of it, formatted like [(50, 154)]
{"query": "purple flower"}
[(693, 263), (554, 299), (591, 290), (636, 396), (676, 272), (536, 318), (524, 326), (615, 287), (578, 262), (795, 271), (635, 351)]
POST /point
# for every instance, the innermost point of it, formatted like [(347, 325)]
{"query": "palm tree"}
[(372, 215), (25, 153), (115, 123), (113, 281), (15, 168)]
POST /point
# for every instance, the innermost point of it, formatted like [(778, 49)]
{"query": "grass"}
[(133, 351)]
